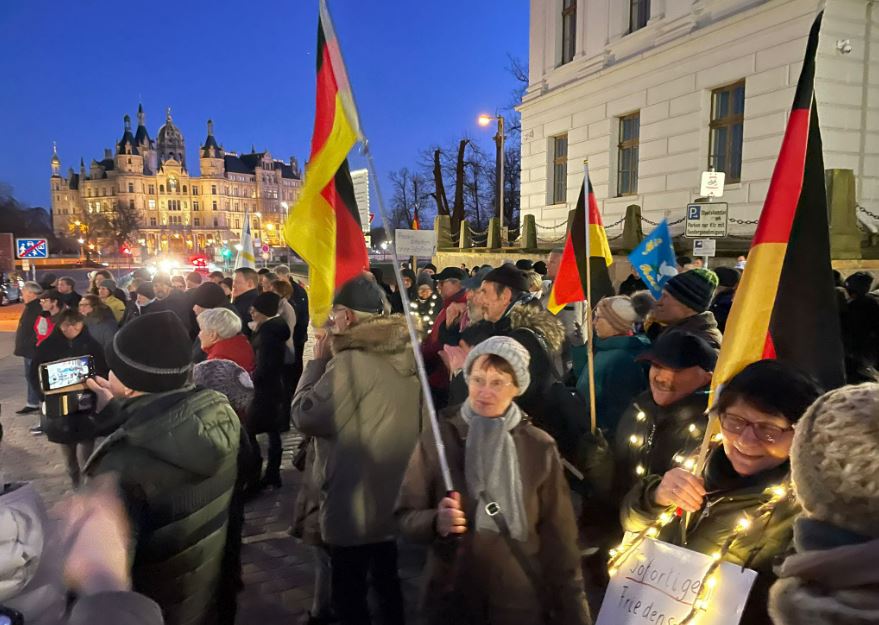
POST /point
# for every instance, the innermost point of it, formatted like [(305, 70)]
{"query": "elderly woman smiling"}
[(515, 559)]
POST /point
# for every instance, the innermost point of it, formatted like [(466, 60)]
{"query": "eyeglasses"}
[(492, 385), (766, 432)]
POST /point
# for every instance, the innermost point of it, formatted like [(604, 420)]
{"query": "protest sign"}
[(658, 584)]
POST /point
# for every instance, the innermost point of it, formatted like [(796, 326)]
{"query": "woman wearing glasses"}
[(758, 410), (504, 546)]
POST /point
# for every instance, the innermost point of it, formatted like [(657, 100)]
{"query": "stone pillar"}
[(528, 236), (845, 238), (632, 232), (465, 240), (442, 226), (494, 234)]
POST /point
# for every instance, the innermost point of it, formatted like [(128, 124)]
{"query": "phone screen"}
[(66, 373)]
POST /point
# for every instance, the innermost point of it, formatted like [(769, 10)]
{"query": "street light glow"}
[(80, 241), (484, 119)]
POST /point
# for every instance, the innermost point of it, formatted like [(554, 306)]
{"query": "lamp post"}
[(499, 137)]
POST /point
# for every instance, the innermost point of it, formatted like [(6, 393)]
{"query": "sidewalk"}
[(277, 569)]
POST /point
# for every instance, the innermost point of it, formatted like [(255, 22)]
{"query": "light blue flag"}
[(654, 259)]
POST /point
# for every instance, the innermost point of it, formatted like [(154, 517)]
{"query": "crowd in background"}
[(522, 515)]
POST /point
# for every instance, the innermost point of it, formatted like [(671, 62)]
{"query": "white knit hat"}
[(510, 350), (835, 459)]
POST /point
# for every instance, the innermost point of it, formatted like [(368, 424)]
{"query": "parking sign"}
[(31, 248), (707, 220)]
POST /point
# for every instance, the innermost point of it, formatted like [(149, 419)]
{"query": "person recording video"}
[(73, 429)]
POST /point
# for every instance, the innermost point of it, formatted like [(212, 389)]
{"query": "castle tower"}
[(56, 162), (212, 154), (145, 145), (169, 142)]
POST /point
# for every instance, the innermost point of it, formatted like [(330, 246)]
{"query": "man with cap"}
[(361, 400), (683, 307), (446, 330), (727, 283), (174, 448), (507, 303), (572, 316)]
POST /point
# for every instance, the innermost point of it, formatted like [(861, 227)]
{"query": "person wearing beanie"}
[(757, 410), (684, 305), (727, 283), (361, 400), (618, 375), (144, 301), (496, 457), (832, 578), (427, 304), (172, 445), (268, 414), (860, 329)]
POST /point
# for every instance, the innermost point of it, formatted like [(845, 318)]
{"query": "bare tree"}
[(409, 192)]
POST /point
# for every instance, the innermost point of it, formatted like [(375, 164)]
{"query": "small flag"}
[(416, 224), (654, 259), (324, 226), (246, 257), (570, 283), (785, 307)]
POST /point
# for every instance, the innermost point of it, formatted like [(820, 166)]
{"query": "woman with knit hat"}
[(427, 304), (618, 377), (745, 479), (516, 559), (267, 414), (833, 579)]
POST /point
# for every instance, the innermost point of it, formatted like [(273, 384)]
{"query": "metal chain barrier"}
[(867, 212), (743, 222), (563, 224)]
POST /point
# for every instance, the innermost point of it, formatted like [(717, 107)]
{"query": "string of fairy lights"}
[(776, 495)]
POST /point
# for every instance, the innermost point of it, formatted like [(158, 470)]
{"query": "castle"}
[(176, 212)]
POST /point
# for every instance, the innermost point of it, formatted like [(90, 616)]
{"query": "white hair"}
[(220, 320), (33, 287)]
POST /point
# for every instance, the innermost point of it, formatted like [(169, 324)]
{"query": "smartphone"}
[(65, 375), (10, 617)]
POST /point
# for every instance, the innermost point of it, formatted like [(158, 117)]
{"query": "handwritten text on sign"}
[(658, 584)]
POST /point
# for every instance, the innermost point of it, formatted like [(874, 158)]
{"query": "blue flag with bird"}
[(654, 259)]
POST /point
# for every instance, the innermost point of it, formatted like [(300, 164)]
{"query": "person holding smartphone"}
[(74, 432)]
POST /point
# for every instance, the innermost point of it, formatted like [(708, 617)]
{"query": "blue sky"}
[(421, 72)]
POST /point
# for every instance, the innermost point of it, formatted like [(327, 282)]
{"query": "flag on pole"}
[(246, 256), (785, 307), (324, 225), (570, 282), (416, 224), (654, 259)]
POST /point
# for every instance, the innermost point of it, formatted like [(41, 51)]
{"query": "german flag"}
[(785, 307), (416, 223), (570, 282), (324, 226)]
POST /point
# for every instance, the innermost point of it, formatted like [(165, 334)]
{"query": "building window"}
[(214, 203), (213, 189), (569, 30), (152, 205), (161, 188), (216, 222), (235, 206), (152, 189), (627, 154), (559, 181), (131, 187), (196, 222), (195, 205), (639, 14), (153, 222), (237, 224), (131, 204), (184, 188), (194, 190), (727, 126)]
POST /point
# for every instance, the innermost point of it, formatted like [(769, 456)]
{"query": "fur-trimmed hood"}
[(380, 335), (540, 321)]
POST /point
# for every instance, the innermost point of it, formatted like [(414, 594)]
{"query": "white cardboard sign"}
[(415, 242), (659, 582)]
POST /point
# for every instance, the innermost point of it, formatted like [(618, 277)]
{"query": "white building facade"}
[(360, 179), (654, 92)]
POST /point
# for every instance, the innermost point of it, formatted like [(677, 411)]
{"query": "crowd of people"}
[(518, 501)]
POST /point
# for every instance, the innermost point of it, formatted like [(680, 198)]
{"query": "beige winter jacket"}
[(364, 407)]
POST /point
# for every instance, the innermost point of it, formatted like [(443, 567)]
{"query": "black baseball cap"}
[(451, 273), (675, 349)]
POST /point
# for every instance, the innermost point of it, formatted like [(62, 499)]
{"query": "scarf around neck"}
[(491, 467)]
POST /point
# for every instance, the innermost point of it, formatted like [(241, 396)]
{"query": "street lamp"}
[(484, 120)]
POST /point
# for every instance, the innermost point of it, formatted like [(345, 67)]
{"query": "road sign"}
[(707, 220), (25, 265), (420, 243), (712, 184), (32, 248), (704, 247)]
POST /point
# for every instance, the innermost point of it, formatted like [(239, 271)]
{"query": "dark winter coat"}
[(632, 284), (703, 325), (734, 496), (860, 334), (299, 302), (477, 578), (176, 457), (721, 306), (242, 304), (25, 336), (618, 378), (364, 408), (102, 328), (179, 304), (71, 300), (75, 427), (267, 412)]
